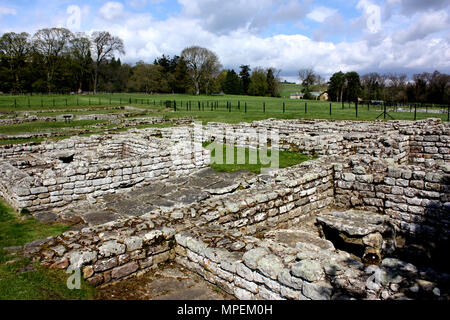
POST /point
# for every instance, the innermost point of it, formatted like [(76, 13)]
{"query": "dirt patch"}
[(169, 282)]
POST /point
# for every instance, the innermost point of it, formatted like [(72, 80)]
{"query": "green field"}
[(156, 104), (286, 158), (203, 108), (21, 279), (288, 88)]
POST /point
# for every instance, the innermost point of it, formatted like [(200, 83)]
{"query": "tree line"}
[(424, 87), (55, 60)]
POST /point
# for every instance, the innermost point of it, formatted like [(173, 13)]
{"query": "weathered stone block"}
[(270, 265), (111, 247), (309, 270), (133, 243), (105, 264), (317, 290), (252, 257), (124, 270)]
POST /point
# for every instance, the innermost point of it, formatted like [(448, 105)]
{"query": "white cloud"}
[(409, 7), (321, 13), (139, 4), (286, 52), (293, 10), (112, 11), (225, 16), (424, 25), (232, 29), (7, 11)]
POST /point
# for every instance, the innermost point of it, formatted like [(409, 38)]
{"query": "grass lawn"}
[(288, 88), (17, 141), (45, 126), (40, 283), (202, 108), (286, 158)]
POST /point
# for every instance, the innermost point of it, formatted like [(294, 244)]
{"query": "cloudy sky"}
[(407, 36)]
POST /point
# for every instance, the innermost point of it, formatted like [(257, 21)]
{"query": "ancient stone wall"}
[(271, 201), (251, 268), (417, 198), (227, 223), (225, 238), (428, 142), (109, 252), (106, 164), (380, 139), (95, 167)]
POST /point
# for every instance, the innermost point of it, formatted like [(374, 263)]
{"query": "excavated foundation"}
[(340, 227)]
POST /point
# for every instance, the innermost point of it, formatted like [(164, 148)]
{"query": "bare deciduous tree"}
[(203, 64), (307, 77), (104, 46), (51, 43), (81, 55)]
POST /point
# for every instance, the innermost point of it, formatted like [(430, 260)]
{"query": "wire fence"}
[(365, 109)]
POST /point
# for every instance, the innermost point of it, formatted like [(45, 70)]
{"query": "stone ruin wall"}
[(129, 247), (417, 199), (379, 139), (280, 200), (41, 181), (215, 237), (107, 165), (108, 252)]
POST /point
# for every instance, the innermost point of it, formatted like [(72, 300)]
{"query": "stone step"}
[(365, 234), (355, 222), (299, 239)]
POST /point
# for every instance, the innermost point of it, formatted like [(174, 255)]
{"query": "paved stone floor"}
[(169, 282), (182, 190)]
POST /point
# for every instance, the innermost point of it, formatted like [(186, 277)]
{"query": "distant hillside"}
[(288, 88)]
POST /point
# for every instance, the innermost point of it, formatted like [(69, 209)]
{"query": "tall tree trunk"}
[(48, 81), (197, 88), (95, 80), (17, 82)]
